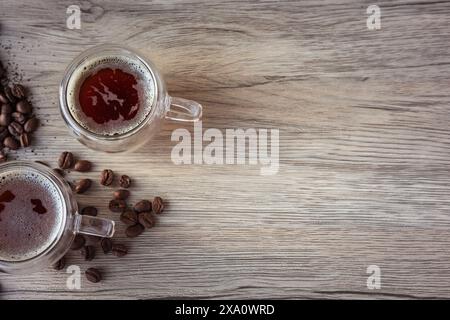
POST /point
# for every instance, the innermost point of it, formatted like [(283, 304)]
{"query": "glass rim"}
[(59, 184), (97, 50)]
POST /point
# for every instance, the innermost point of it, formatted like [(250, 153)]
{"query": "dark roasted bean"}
[(106, 177), (11, 143), (143, 206), (89, 211), (146, 219), (83, 185), (158, 205), (23, 106), (119, 250), (65, 160), (31, 124), (83, 165), (125, 181), (134, 231), (60, 264), (93, 275), (88, 252), (78, 242), (121, 194), (129, 217), (106, 244), (117, 205)]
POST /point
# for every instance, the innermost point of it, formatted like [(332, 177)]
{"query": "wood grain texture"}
[(364, 146)]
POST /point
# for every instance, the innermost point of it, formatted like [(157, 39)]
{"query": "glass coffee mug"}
[(114, 99), (30, 239)]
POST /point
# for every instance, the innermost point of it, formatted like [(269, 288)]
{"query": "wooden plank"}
[(364, 146)]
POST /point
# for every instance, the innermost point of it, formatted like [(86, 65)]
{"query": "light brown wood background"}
[(364, 146)]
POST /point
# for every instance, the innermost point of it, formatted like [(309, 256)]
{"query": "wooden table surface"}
[(363, 117)]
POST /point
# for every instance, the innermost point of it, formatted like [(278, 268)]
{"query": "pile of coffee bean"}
[(138, 217), (17, 121)]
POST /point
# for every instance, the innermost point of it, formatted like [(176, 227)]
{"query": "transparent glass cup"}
[(164, 106), (72, 222)]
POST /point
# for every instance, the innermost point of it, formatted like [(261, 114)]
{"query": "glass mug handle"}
[(184, 110), (93, 226)]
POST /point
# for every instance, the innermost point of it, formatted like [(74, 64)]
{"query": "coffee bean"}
[(146, 219), (83, 165), (18, 91), (65, 160), (5, 119), (93, 275), (3, 133), (121, 194), (24, 140), (15, 128), (3, 157), (31, 124), (88, 253), (89, 211), (7, 109), (78, 242), (134, 231), (106, 244), (83, 185), (59, 171), (119, 250), (3, 98), (106, 177), (11, 143), (60, 264), (158, 205), (143, 206), (117, 205), (23, 106), (129, 217), (125, 181), (18, 117), (9, 95)]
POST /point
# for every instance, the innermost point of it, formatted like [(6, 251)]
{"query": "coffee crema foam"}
[(145, 88), (24, 233)]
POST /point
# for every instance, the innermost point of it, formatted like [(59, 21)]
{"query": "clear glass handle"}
[(184, 110), (94, 226)]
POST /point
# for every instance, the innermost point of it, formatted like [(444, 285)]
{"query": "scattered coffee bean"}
[(7, 108), (117, 205), (119, 250), (146, 219), (65, 160), (78, 242), (11, 143), (106, 177), (93, 275), (5, 119), (121, 194), (18, 117), (23, 106), (24, 140), (83, 165), (134, 231), (3, 157), (15, 128), (59, 171), (31, 125), (89, 211), (83, 185), (143, 206), (9, 95), (106, 244), (18, 91), (3, 133), (60, 264), (125, 181), (88, 252), (3, 99), (158, 205), (129, 217)]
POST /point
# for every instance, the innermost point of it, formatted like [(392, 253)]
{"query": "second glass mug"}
[(72, 222), (164, 106)]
